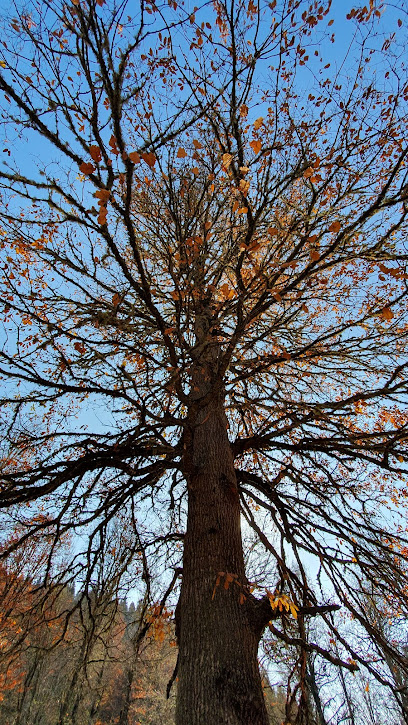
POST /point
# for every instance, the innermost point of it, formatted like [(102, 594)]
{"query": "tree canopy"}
[(203, 229)]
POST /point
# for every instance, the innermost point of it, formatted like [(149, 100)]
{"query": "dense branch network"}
[(201, 205)]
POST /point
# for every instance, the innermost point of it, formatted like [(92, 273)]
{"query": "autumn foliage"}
[(205, 319)]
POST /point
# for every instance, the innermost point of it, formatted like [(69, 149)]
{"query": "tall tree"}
[(204, 279)]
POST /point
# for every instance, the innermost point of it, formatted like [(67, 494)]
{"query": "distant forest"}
[(109, 662)]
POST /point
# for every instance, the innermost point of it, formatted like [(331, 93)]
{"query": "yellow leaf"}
[(244, 187), (293, 610), (282, 603), (226, 160), (2, 64)]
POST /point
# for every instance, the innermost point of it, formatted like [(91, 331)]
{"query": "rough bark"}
[(218, 633)]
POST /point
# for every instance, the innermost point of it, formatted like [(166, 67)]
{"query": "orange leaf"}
[(226, 160), (86, 168), (335, 227), (149, 158), (79, 347), (197, 144), (181, 153), (113, 145), (256, 146), (217, 583), (95, 153), (115, 299), (243, 111), (134, 156), (258, 123), (102, 215), (226, 291), (103, 195), (387, 313)]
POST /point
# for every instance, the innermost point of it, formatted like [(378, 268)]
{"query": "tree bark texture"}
[(218, 675)]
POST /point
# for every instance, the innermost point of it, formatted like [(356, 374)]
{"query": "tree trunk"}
[(314, 690), (218, 633), (124, 713)]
